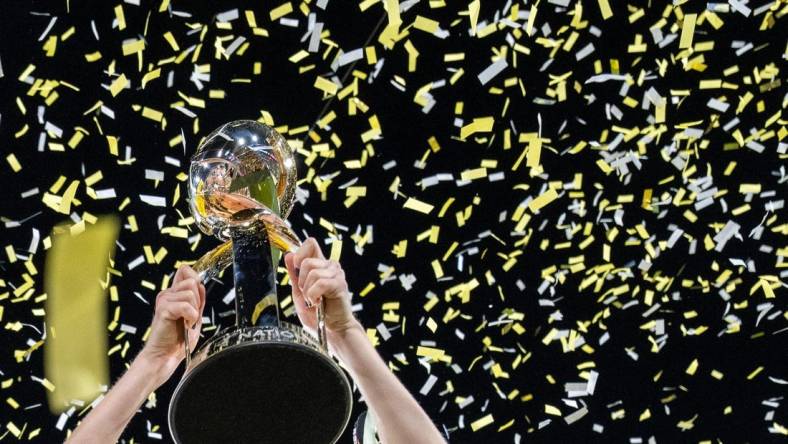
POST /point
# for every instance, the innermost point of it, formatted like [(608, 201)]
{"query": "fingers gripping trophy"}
[(262, 380)]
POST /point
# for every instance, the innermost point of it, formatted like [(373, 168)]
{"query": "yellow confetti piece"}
[(473, 14), (171, 40), (93, 56), (75, 355), (544, 199), (68, 198), (133, 47), (754, 373), (118, 85), (325, 85), (604, 8), (152, 114), (687, 31), (151, 75), (534, 151), (13, 429), (281, 11), (417, 205), (693, 367), (112, 141), (389, 34), (13, 162), (10, 253), (482, 422), (478, 125), (121, 17), (437, 269), (552, 410), (425, 24), (746, 188), (413, 55), (336, 250), (474, 174)]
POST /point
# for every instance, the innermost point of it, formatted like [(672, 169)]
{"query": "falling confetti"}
[(561, 220)]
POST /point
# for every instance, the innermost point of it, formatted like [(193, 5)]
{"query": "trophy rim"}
[(196, 363)]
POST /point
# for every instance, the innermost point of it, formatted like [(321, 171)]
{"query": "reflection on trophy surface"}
[(258, 380)]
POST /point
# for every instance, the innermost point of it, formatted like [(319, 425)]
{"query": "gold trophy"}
[(263, 380)]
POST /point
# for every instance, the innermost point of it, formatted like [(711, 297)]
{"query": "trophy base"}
[(264, 388)]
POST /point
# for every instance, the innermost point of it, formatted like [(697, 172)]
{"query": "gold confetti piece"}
[(473, 14), (478, 125), (482, 422), (92, 57), (687, 31), (413, 55), (534, 151), (13, 162), (113, 145), (389, 34), (552, 410), (118, 85), (604, 8), (68, 198), (281, 11), (544, 199), (133, 47), (437, 269), (152, 114), (474, 174), (417, 205), (75, 354), (171, 40), (297, 57), (693, 367), (425, 24), (529, 27), (336, 250), (121, 17), (325, 85)]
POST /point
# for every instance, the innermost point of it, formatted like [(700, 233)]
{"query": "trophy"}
[(262, 380)]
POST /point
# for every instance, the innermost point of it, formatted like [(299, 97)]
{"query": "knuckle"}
[(324, 284)]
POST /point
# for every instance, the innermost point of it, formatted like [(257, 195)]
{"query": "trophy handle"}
[(187, 347), (321, 325), (215, 261)]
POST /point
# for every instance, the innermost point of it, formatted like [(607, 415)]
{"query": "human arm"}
[(158, 360), (400, 418)]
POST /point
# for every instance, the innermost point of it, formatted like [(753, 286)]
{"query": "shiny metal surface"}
[(241, 177), (286, 333), (237, 159)]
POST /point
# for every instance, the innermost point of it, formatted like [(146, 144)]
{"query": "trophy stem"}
[(256, 303)]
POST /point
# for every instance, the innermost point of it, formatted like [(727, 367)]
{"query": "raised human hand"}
[(313, 278), (182, 303)]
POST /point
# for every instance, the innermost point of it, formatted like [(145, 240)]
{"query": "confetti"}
[(75, 356)]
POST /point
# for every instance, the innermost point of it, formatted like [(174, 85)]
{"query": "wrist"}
[(153, 367), (345, 340)]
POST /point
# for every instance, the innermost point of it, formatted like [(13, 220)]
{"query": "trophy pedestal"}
[(261, 384)]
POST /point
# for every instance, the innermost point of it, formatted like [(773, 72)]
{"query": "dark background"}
[(624, 383)]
